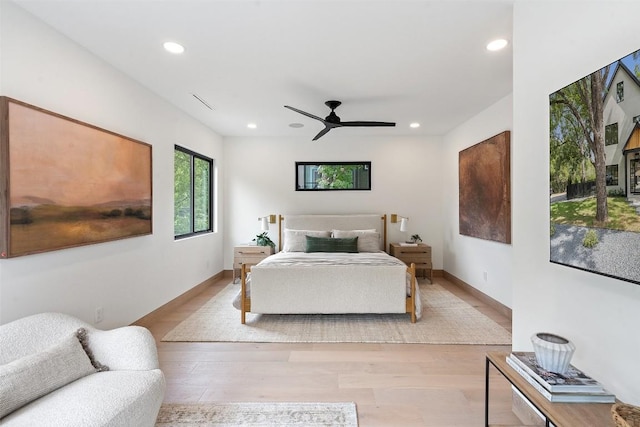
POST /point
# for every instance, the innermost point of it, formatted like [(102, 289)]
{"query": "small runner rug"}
[(446, 319), (258, 414)]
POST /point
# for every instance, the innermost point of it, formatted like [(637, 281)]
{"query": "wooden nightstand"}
[(249, 254), (420, 255)]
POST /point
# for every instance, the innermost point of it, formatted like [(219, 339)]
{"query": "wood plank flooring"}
[(391, 384)]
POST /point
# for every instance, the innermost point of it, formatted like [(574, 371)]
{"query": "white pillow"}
[(29, 378), (368, 240), (295, 240)]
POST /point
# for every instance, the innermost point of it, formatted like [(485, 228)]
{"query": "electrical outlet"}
[(99, 315)]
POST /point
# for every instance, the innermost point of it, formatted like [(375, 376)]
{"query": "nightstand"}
[(419, 254), (249, 254)]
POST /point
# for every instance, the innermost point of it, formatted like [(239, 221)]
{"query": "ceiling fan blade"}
[(322, 132), (305, 113), (364, 123)]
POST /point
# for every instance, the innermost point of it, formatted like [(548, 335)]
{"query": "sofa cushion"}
[(104, 399), (28, 378)]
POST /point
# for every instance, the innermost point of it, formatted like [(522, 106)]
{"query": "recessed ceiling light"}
[(414, 125), (252, 126), (497, 45), (173, 47), (296, 125)]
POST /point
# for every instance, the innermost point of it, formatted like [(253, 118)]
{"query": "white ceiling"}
[(394, 60)]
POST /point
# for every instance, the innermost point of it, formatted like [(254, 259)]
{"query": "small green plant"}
[(415, 238), (590, 239), (553, 229), (263, 240)]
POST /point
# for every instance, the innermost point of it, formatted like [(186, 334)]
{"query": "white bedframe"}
[(329, 289)]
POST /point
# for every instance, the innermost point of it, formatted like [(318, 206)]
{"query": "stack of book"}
[(572, 386)]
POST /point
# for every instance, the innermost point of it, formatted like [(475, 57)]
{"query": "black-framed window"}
[(328, 176), (611, 134), (192, 193), (612, 175), (620, 92)]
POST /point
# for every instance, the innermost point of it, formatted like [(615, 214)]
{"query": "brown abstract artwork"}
[(485, 189), (65, 183)]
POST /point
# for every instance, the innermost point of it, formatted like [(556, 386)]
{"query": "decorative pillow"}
[(294, 240), (368, 240), (83, 337), (330, 244), (29, 378)]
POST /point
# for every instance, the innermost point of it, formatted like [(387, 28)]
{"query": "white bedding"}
[(321, 282)]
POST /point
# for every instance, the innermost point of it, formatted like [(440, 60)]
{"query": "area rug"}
[(446, 319), (258, 414)]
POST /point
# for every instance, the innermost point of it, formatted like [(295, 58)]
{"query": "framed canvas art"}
[(65, 183), (485, 189), (594, 171)]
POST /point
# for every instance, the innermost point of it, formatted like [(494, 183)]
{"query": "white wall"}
[(557, 43), (465, 257), (406, 180), (127, 278)]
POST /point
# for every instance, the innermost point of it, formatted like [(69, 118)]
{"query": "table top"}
[(560, 414)]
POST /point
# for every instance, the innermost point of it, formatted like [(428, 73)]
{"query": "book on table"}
[(573, 386)]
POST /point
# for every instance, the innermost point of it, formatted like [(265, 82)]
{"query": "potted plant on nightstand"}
[(415, 238), (263, 240)]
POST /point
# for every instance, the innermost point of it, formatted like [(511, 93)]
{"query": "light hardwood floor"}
[(391, 384)]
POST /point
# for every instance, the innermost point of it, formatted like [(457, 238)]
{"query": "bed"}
[(330, 264)]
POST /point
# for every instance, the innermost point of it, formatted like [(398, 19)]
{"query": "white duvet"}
[(321, 282)]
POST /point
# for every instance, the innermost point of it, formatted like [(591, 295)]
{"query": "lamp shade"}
[(403, 224), (264, 223)]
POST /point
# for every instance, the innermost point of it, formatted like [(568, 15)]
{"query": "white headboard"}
[(334, 222)]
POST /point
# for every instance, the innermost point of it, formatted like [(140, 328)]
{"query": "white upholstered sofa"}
[(48, 374)]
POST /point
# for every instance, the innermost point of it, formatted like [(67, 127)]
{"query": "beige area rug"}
[(446, 319), (258, 414)]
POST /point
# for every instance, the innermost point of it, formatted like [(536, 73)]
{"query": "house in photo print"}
[(622, 130)]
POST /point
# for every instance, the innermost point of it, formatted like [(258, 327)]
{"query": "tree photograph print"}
[(594, 171)]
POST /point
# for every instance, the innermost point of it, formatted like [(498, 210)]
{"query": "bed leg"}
[(413, 292), (243, 292)]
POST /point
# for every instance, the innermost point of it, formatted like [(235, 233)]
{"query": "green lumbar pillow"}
[(331, 244)]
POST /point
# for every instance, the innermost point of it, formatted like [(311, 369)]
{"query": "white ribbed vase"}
[(553, 352)]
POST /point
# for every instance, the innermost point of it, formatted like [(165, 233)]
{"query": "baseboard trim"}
[(497, 305), (182, 298)]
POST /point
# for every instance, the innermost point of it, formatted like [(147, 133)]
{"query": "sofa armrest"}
[(127, 348)]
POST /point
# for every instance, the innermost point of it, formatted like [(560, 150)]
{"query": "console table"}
[(559, 414)]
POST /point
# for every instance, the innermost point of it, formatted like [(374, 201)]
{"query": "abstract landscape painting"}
[(68, 183), (485, 189)]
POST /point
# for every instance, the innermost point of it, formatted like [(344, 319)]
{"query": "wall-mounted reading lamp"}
[(403, 221), (266, 220)]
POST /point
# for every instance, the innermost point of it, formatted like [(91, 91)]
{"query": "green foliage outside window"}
[(192, 193)]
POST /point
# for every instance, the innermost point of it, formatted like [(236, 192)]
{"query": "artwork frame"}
[(342, 176), (484, 179), (65, 183), (594, 171)]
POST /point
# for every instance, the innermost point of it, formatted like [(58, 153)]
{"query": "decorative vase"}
[(553, 352)]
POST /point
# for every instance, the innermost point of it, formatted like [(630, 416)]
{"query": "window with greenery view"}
[(192, 193), (322, 176)]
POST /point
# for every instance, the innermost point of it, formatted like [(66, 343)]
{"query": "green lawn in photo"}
[(582, 212)]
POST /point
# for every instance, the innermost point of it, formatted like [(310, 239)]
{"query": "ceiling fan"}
[(333, 121)]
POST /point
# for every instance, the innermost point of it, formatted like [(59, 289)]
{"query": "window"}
[(611, 134), (620, 92), (192, 193), (324, 176), (612, 175)]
